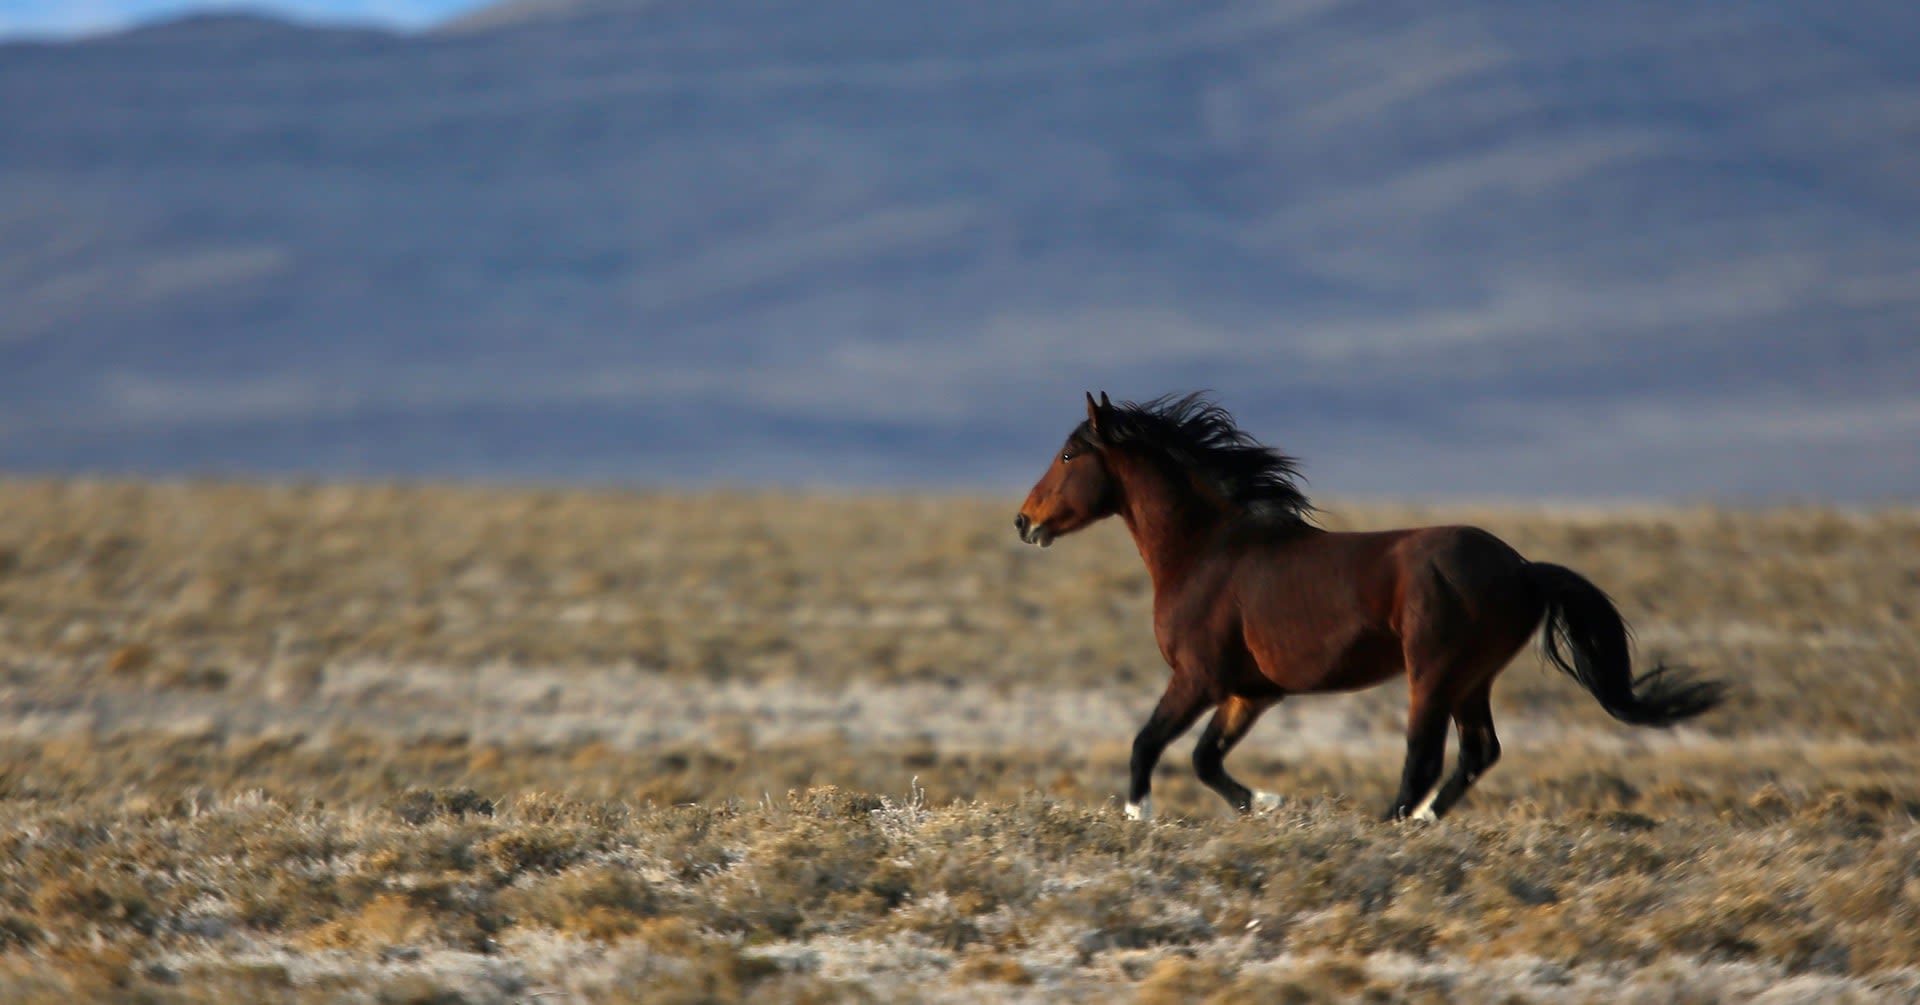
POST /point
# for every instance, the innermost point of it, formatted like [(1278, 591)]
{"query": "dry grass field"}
[(437, 745)]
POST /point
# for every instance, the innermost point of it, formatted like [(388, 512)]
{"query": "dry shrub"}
[(97, 899), (1177, 980), (418, 989), (387, 920), (17, 932), (669, 961), (601, 902), (1347, 928), (129, 660), (1324, 979), (418, 806), (1736, 926), (818, 875), (990, 967), (1123, 911), (96, 972), (829, 802), (538, 848)]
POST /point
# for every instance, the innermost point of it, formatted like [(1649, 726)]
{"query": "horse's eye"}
[(1066, 456)]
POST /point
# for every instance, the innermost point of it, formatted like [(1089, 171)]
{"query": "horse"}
[(1253, 601)]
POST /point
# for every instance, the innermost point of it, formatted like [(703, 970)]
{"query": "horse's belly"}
[(1367, 659)]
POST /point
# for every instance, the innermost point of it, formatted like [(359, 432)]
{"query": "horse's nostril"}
[(1020, 523)]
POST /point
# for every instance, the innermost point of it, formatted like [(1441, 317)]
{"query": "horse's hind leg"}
[(1479, 747), (1454, 649), (1426, 756), (1229, 724)]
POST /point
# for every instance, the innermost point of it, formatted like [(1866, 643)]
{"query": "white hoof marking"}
[(1141, 811), (1267, 802), (1424, 811)]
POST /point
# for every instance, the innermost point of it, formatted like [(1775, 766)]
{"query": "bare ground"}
[(393, 743)]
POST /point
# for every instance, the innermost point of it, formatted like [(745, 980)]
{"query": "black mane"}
[(1200, 436)]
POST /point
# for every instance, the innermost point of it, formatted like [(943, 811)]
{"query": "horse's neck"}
[(1169, 521)]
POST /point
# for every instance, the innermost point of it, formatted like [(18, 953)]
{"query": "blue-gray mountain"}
[(1482, 248)]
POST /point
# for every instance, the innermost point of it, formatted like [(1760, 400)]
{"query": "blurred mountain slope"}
[(1486, 248)]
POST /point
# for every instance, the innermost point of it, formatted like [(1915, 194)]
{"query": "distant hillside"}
[(1629, 249)]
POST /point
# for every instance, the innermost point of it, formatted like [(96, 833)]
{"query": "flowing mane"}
[(1198, 435)]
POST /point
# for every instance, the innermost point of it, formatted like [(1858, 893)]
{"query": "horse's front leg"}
[(1179, 706)]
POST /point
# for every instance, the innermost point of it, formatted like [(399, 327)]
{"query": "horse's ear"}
[(1105, 405), (1093, 411)]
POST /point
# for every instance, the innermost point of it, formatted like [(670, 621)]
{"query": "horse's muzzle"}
[(1033, 533)]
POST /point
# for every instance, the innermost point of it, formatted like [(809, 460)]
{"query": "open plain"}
[(392, 743)]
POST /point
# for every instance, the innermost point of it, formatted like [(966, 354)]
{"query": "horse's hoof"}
[(1267, 802), (1141, 811)]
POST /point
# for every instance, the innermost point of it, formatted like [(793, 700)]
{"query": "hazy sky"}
[(72, 17)]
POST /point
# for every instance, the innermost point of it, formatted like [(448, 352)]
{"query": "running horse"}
[(1252, 602)]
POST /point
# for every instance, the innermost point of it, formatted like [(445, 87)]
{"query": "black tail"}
[(1583, 624)]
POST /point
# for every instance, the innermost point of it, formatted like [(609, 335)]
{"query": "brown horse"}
[(1252, 602)]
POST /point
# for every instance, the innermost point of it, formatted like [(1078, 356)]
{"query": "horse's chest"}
[(1194, 626)]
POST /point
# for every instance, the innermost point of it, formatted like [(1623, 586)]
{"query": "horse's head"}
[(1077, 488)]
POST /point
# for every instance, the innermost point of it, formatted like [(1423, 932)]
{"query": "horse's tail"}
[(1585, 637)]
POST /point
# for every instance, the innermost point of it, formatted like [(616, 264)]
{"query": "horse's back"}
[(1372, 568)]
